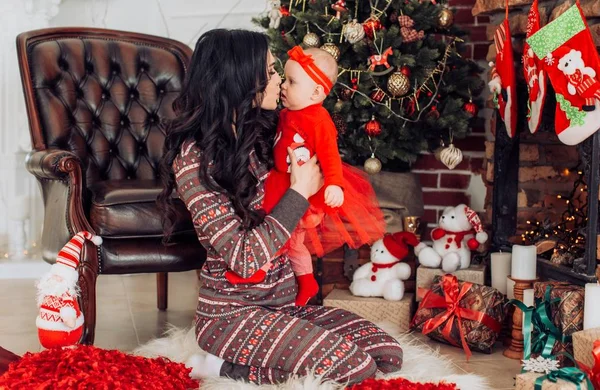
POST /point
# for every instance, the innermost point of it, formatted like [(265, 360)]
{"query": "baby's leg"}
[(301, 260)]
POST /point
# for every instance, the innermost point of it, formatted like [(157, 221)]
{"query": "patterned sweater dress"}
[(256, 328)]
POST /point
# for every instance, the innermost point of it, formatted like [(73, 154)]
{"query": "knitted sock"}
[(307, 288), (204, 365), (234, 278)]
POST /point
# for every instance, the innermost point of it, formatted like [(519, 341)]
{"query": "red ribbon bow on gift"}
[(454, 312), (593, 372), (308, 64)]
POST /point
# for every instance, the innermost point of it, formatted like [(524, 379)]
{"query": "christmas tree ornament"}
[(405, 70), (378, 95), (311, 39), (340, 123), (572, 65), (372, 165), (503, 82), (373, 127), (433, 112), (339, 6), (535, 76), (371, 26), (380, 59), (275, 13), (346, 94), (406, 21), (471, 108), (407, 30), (445, 18), (353, 32), (451, 156), (332, 49), (338, 105), (398, 84), (284, 11)]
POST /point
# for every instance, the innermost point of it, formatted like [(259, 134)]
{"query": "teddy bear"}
[(581, 79), (384, 275), (458, 233), (275, 14)]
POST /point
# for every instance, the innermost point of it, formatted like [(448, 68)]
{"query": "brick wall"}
[(443, 187)]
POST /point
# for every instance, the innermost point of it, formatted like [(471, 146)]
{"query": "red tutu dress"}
[(359, 220)]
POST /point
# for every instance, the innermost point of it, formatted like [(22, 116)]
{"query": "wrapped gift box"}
[(485, 305), (527, 382), (474, 274), (583, 342), (566, 314), (374, 309)]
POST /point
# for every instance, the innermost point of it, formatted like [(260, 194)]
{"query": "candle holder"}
[(515, 350)]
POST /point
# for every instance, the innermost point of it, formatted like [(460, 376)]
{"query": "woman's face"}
[(271, 95)]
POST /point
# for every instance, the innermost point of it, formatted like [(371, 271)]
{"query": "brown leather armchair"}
[(96, 101)]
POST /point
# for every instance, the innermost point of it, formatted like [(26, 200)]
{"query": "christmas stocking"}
[(534, 73), (571, 62), (503, 81)]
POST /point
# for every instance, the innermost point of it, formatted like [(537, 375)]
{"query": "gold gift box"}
[(474, 274), (374, 309), (583, 341), (527, 382)]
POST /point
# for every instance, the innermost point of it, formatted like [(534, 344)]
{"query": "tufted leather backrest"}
[(103, 95)]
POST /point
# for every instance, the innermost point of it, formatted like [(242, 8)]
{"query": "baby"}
[(345, 210)]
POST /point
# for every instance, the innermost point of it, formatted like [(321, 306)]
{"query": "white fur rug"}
[(421, 364)]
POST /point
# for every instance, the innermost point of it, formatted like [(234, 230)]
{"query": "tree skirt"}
[(421, 364)]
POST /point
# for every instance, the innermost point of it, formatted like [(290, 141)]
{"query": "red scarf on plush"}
[(438, 233)]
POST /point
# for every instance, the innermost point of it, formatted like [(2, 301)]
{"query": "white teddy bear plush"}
[(275, 14), (384, 275), (458, 233)]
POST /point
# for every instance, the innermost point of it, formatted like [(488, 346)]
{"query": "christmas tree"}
[(403, 87)]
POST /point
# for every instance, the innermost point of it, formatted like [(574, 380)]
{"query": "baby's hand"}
[(334, 196)]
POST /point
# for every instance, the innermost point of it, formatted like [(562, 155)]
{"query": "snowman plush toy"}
[(459, 231), (384, 275)]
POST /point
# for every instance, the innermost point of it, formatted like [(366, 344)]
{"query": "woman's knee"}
[(355, 367), (389, 358)]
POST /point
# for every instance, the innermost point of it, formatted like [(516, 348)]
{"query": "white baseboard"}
[(23, 269)]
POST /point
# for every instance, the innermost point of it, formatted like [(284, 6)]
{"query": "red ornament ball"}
[(405, 70), (373, 127), (370, 25), (378, 95), (284, 11), (434, 113), (471, 108)]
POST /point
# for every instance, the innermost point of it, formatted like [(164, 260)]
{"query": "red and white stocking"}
[(503, 81), (571, 62), (534, 73)]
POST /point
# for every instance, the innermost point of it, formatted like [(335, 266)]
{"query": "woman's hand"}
[(306, 179)]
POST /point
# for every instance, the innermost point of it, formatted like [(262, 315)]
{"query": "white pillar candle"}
[(528, 301), (524, 261), (510, 288), (501, 267), (591, 308), (528, 297)]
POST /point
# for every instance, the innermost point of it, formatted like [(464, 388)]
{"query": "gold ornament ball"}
[(311, 40), (354, 32), (451, 156), (332, 49), (445, 18), (398, 84), (372, 165)]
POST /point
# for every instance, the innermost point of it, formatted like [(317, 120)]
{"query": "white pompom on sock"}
[(204, 365)]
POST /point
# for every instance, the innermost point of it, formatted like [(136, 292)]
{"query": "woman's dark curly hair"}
[(219, 108)]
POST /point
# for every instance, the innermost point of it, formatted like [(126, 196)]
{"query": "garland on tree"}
[(399, 65)]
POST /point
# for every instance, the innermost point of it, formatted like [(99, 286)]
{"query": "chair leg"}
[(87, 298), (162, 288)]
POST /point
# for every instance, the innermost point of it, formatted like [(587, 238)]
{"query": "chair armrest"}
[(53, 164)]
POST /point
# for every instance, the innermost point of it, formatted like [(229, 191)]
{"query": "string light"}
[(568, 231)]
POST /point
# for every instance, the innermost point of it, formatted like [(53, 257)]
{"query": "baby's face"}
[(299, 90)]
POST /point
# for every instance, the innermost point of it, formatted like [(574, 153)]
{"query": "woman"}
[(218, 154)]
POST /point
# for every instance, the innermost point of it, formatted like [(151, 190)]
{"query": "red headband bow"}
[(308, 64)]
